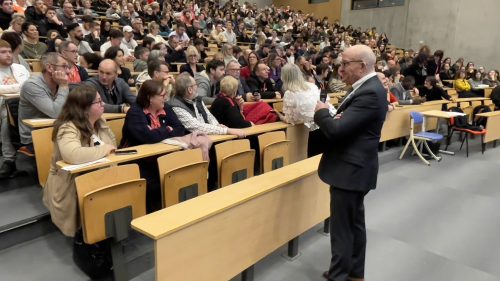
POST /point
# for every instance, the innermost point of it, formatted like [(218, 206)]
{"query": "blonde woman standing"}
[(299, 101)]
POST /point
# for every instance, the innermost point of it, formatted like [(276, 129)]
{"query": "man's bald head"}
[(108, 64), (108, 71), (357, 61), (365, 54)]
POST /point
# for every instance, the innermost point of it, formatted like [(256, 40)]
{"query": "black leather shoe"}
[(8, 169)]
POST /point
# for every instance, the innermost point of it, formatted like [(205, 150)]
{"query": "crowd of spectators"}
[(265, 53)]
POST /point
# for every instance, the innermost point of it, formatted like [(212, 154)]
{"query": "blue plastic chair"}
[(416, 118)]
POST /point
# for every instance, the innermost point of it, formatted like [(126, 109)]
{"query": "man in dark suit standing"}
[(350, 160)]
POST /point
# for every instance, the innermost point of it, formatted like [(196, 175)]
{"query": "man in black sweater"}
[(261, 83), (35, 13), (175, 50)]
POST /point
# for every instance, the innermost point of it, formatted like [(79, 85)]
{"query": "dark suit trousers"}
[(347, 234)]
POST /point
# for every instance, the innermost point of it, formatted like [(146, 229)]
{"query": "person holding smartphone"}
[(299, 101), (80, 135)]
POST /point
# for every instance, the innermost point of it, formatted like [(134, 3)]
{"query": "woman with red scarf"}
[(227, 108)]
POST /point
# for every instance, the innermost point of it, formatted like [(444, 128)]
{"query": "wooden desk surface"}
[(337, 95), (47, 122), (220, 138), (191, 211), (438, 114), (489, 114), (10, 96), (254, 130), (271, 100), (147, 150), (471, 99), (436, 102), (143, 151), (259, 129)]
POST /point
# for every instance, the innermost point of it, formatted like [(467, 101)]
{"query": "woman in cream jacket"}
[(79, 136)]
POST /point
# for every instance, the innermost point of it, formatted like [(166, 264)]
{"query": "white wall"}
[(462, 28)]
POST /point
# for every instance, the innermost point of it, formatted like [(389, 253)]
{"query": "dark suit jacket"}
[(350, 161), (121, 89)]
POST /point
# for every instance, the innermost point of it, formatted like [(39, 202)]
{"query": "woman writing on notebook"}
[(80, 135)]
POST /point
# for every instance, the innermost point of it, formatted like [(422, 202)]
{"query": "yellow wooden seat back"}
[(487, 92), (273, 147), (490, 104), (278, 106), (97, 203), (179, 170), (233, 157), (299, 137), (36, 66), (44, 148), (116, 126), (106, 190), (213, 48)]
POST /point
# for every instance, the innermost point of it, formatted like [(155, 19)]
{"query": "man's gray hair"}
[(182, 83), (49, 58)]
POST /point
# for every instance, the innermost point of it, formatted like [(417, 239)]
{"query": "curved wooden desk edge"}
[(143, 151), (187, 213)]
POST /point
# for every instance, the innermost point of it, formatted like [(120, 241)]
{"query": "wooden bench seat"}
[(276, 207)]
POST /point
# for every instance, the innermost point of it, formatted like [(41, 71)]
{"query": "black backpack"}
[(479, 120), (461, 121), (93, 259)]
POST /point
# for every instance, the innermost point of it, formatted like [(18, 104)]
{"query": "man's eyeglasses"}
[(234, 69), (62, 65), (345, 63), (74, 51)]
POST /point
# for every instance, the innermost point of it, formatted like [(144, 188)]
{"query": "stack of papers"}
[(78, 166), (453, 114)]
